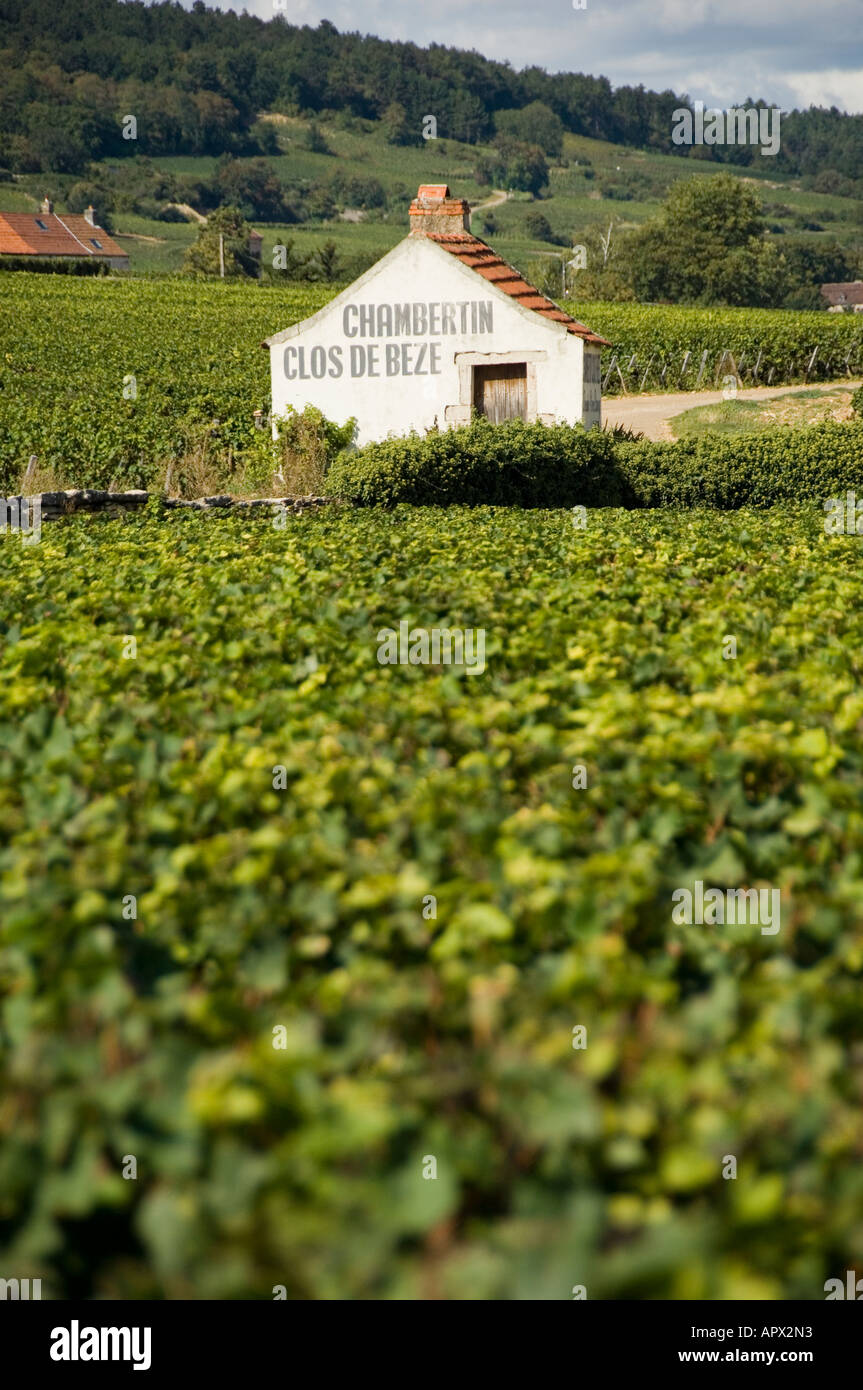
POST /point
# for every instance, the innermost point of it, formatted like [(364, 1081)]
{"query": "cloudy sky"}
[(791, 52)]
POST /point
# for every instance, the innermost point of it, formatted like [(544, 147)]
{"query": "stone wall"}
[(76, 500)]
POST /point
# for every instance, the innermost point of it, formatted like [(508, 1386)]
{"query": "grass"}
[(747, 416), (153, 247), (40, 479), (14, 199)]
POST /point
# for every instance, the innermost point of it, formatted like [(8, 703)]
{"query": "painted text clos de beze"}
[(385, 322)]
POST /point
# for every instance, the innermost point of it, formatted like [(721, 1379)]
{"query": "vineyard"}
[(669, 347), (229, 973), (108, 380), (73, 354)]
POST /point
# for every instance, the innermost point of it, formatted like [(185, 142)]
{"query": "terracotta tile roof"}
[(479, 256), (847, 292), (70, 235)]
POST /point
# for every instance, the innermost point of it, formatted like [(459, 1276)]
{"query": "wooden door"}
[(500, 393)]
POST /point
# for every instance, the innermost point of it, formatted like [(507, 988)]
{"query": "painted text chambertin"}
[(403, 326)]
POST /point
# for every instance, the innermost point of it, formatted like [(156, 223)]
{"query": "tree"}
[(251, 185), (361, 192), (316, 202), (324, 264), (203, 257), (288, 264), (708, 246), (535, 124), (395, 125), (526, 167), (62, 138), (754, 275), (607, 273), (719, 206), (514, 165), (547, 276), (316, 141), (209, 122), (813, 264), (262, 134), (83, 195), (537, 225)]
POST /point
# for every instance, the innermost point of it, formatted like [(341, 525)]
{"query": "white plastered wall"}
[(419, 272)]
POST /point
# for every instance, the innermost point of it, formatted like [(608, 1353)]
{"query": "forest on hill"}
[(196, 81)]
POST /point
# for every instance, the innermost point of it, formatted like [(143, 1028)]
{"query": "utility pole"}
[(222, 254)]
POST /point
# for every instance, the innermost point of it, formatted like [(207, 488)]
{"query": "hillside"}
[(148, 111), (591, 184)]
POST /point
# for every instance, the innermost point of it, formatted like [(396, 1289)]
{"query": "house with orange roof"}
[(47, 235), (844, 296), (438, 328)]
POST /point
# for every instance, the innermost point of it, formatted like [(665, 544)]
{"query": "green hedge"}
[(564, 465), (55, 265), (513, 464), (757, 470)]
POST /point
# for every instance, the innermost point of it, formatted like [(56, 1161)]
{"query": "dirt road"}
[(651, 414), (498, 196)]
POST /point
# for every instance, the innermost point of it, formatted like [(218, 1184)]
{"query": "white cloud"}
[(831, 88)]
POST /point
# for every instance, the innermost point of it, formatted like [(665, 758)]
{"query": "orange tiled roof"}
[(844, 292), (479, 256), (69, 235)]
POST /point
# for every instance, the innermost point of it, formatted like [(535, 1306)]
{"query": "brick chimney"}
[(90, 216), (434, 213), (47, 207)]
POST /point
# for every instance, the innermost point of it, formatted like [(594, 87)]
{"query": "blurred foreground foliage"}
[(302, 908)]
